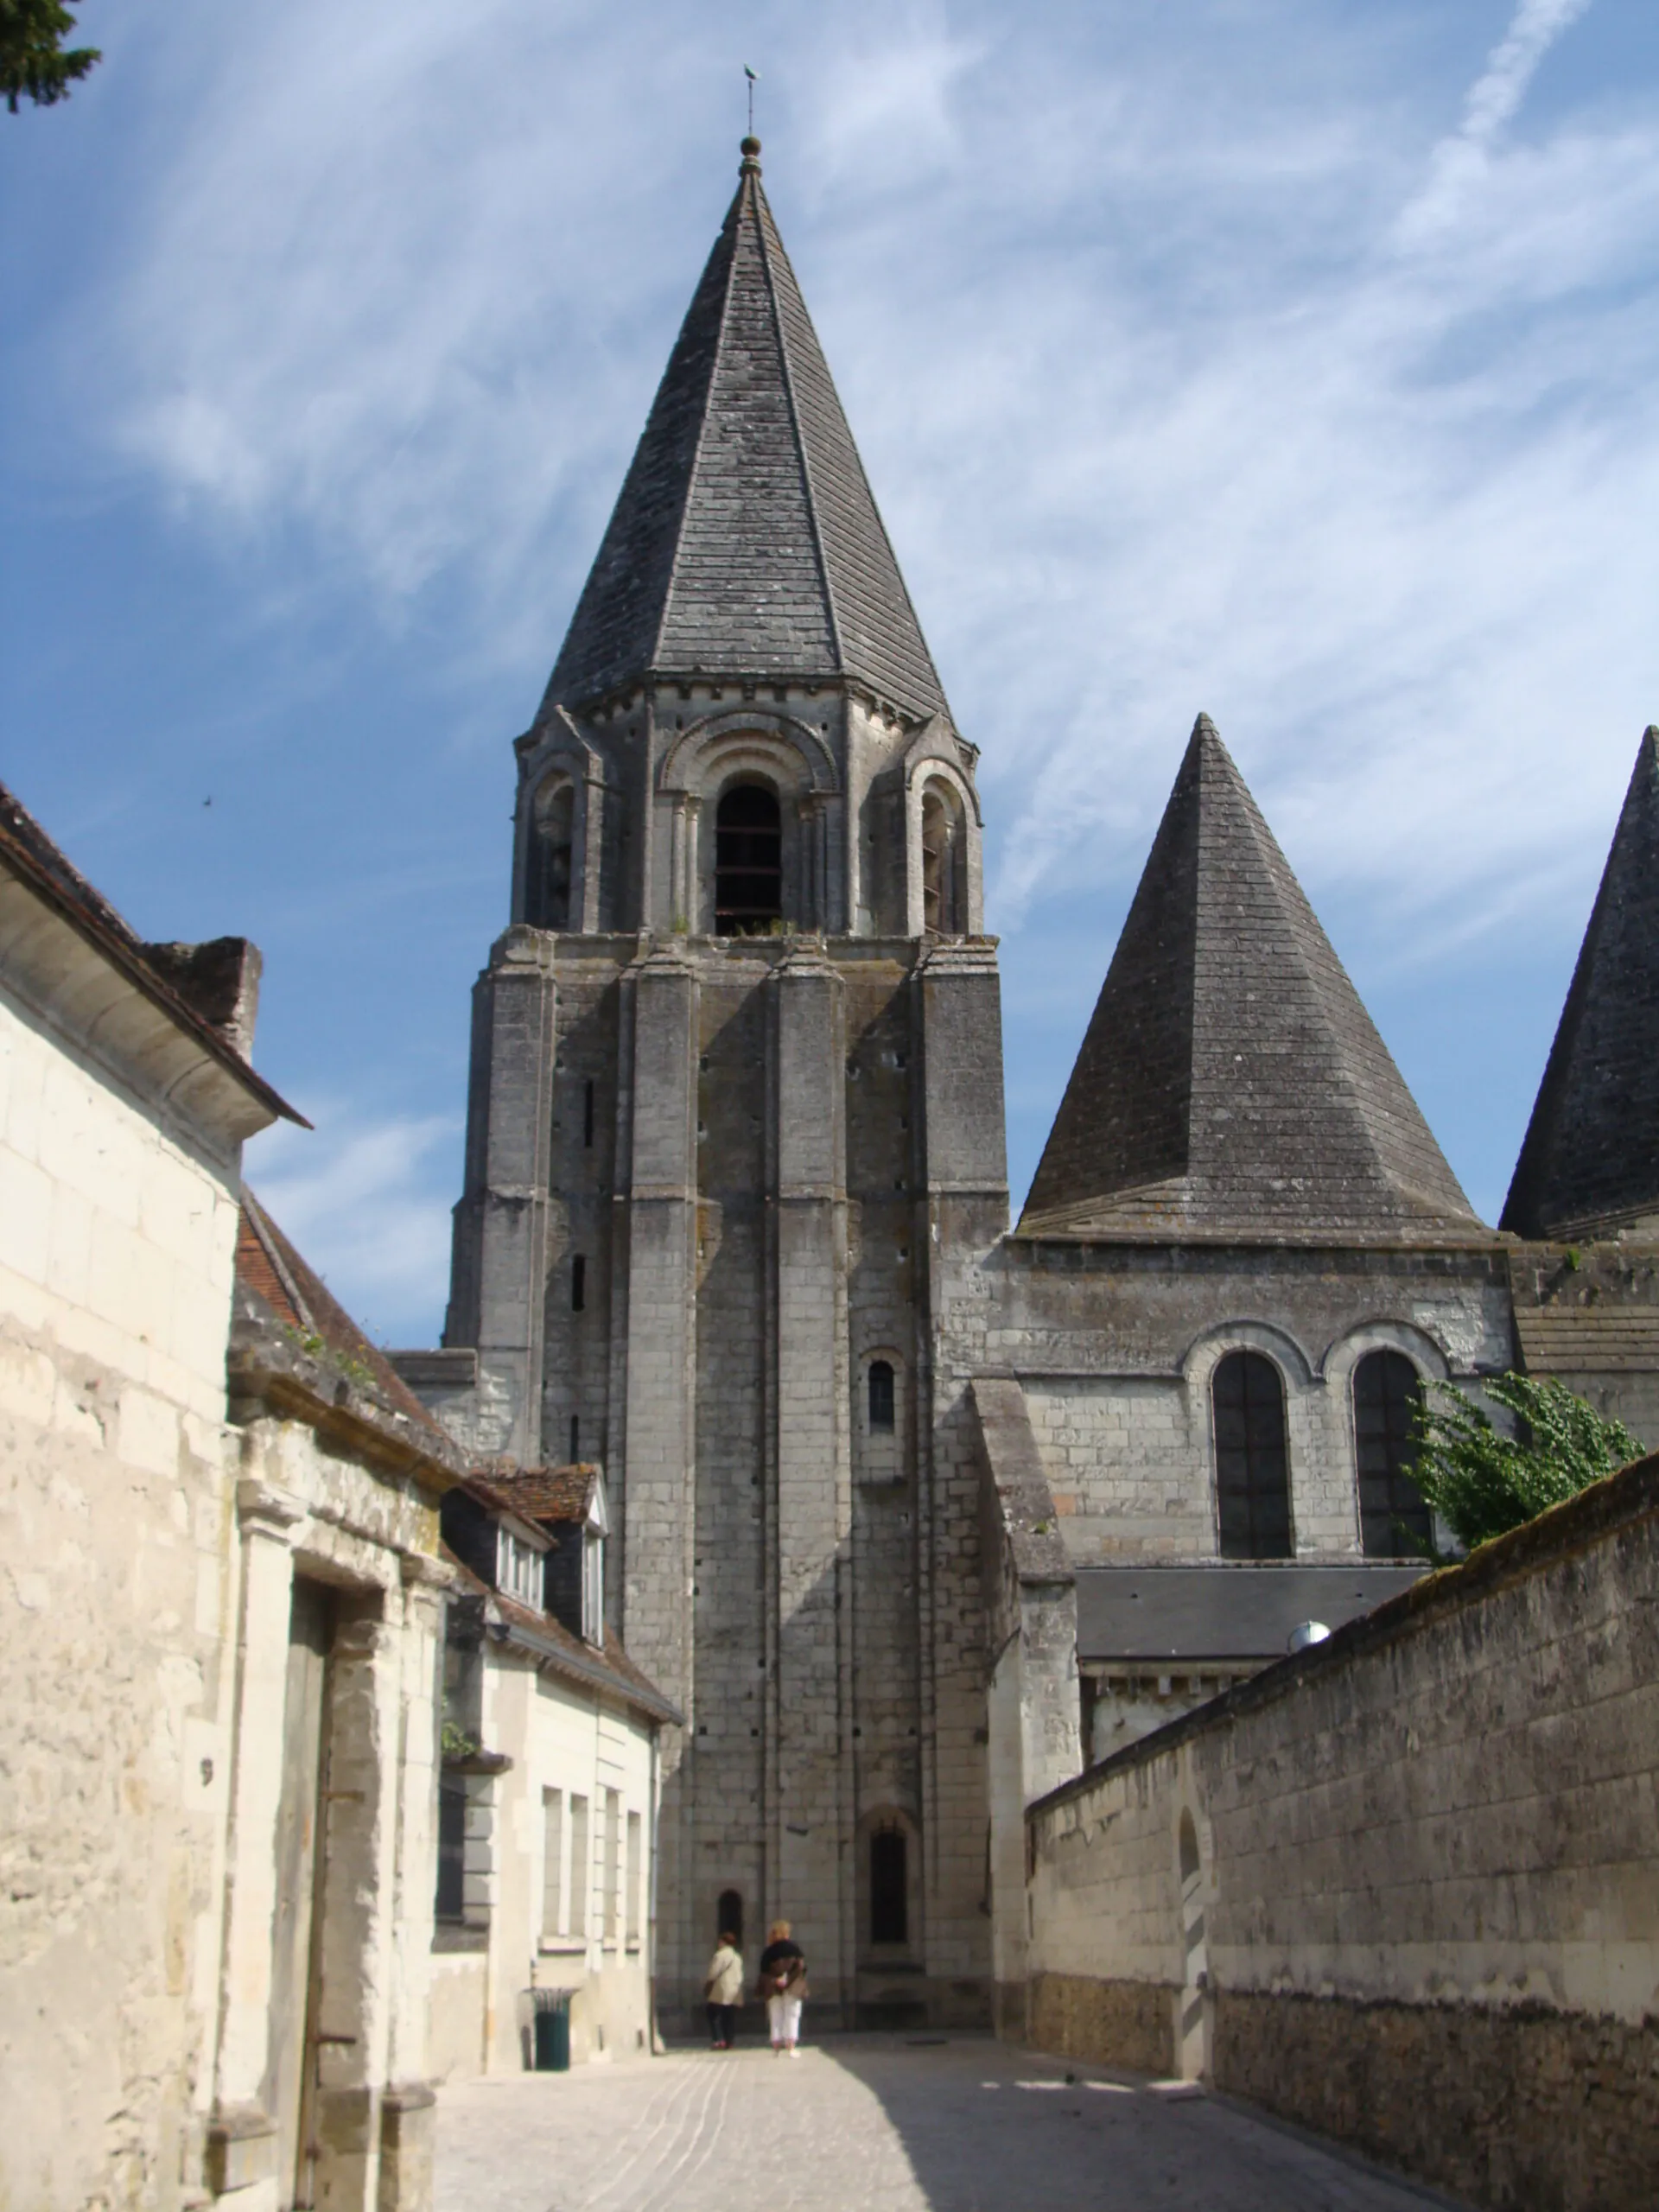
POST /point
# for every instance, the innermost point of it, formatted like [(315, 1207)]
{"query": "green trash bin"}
[(552, 2030)]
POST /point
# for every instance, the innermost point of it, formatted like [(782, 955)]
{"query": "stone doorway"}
[(291, 2083)]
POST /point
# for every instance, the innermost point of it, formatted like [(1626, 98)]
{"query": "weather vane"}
[(754, 76)]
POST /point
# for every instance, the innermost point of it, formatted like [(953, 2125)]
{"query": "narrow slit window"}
[(1394, 1519), (633, 1915), (575, 1440), (578, 1283), (1252, 1466), (881, 1396), (748, 861), (582, 1876), (588, 1115)]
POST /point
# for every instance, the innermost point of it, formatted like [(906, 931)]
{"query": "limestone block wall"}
[(323, 1509), (1402, 1889), (118, 1226), (1116, 1345), (566, 1871)]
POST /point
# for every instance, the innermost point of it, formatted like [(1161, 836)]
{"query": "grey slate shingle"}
[(1230, 1082), (1590, 1153), (745, 540)]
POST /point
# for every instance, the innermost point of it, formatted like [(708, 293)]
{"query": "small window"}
[(748, 861), (889, 1887), (452, 1850), (728, 1917), (582, 1877), (547, 905), (575, 1440), (592, 1587), (881, 1394), (578, 1283), (1394, 1522), (588, 1115), (612, 1867), (1252, 1468), (552, 1859), (520, 1569)]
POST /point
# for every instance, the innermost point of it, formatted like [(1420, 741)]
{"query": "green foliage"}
[(457, 1744), (32, 64), (1481, 1482)]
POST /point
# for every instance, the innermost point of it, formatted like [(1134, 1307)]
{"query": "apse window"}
[(1394, 1522), (748, 863), (1252, 1465)]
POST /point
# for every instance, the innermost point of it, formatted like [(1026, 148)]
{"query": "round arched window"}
[(748, 861)]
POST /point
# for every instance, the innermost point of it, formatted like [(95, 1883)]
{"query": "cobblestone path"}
[(875, 2124)]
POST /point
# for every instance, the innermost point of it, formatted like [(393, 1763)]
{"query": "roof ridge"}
[(704, 417), (837, 642), (1298, 910)]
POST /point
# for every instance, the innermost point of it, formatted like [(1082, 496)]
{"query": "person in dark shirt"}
[(783, 1985)]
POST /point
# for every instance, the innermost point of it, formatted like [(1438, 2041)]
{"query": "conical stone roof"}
[(746, 541), (1231, 1086), (1590, 1155)]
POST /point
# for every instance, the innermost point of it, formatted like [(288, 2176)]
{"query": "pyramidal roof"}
[(746, 540), (1231, 1086), (1591, 1155)]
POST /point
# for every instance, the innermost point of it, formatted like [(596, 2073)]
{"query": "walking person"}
[(722, 1990), (783, 1984)]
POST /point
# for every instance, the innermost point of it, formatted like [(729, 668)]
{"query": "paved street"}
[(873, 2124)]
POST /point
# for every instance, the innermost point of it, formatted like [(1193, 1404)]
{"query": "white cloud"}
[(366, 1200), (1281, 361)]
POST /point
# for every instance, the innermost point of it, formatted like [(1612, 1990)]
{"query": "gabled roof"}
[(558, 1494), (746, 540), (1231, 1086), (1590, 1155), (298, 1299)]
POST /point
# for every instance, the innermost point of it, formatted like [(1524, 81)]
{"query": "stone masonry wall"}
[(1116, 1346), (116, 1535), (1402, 1889)]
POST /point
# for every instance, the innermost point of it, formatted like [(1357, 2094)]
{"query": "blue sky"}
[(1293, 359)]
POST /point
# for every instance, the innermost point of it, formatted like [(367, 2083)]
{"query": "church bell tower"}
[(734, 1148)]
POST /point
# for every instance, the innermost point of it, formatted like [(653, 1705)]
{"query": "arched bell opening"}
[(552, 842), (944, 862), (748, 861)]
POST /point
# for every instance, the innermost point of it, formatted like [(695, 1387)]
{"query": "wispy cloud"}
[(366, 1198), (1291, 362)]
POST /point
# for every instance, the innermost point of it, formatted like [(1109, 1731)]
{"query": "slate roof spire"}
[(1231, 1086), (745, 540), (1590, 1153)]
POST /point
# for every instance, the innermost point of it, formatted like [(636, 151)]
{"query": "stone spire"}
[(1231, 1086), (1591, 1156), (745, 541)]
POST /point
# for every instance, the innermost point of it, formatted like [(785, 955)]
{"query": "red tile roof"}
[(537, 1493), (268, 1265)]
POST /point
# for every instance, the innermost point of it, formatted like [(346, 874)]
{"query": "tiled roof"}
[(746, 540), (1231, 1085), (609, 1666), (268, 1265), (1590, 1155), (1589, 1312), (538, 1493)]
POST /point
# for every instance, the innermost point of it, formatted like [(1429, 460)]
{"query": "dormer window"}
[(593, 1586), (521, 1571)]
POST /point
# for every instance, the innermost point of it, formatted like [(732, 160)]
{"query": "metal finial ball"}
[(749, 149)]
